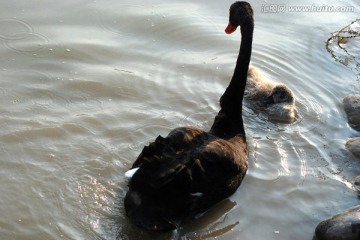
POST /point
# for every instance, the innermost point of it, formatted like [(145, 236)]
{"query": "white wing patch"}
[(131, 172), (197, 194)]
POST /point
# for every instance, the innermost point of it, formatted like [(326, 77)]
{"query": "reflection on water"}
[(81, 94), (212, 224)]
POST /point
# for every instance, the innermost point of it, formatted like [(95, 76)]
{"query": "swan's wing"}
[(131, 172), (168, 172)]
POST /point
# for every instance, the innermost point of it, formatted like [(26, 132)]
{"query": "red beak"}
[(230, 28)]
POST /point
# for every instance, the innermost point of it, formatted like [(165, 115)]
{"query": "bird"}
[(177, 177), (276, 99)]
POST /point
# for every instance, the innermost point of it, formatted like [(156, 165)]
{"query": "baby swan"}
[(275, 98)]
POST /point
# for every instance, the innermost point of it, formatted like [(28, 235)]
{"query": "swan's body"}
[(275, 98), (190, 170)]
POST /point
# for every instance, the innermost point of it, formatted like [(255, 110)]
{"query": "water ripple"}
[(309, 113), (79, 101), (185, 26), (14, 29), (115, 18), (30, 42), (19, 36)]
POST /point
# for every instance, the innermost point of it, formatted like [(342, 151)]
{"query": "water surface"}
[(84, 85)]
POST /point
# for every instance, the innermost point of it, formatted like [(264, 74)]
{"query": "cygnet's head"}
[(280, 94)]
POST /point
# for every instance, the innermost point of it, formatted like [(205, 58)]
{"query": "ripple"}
[(309, 115), (43, 98), (201, 119), (115, 18), (36, 89), (83, 101), (183, 24), (36, 133), (264, 168), (27, 42), (14, 29), (39, 92)]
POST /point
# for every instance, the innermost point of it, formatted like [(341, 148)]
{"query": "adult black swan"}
[(184, 174)]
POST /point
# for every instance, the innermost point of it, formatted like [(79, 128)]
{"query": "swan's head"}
[(280, 94), (241, 14)]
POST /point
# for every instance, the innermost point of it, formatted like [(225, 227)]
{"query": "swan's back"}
[(257, 87), (182, 175)]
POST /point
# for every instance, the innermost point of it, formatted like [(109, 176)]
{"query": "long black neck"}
[(229, 121), (233, 96)]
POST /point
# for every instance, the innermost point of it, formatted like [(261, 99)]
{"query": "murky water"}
[(84, 85)]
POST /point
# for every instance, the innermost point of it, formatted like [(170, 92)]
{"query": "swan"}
[(276, 99), (182, 175)]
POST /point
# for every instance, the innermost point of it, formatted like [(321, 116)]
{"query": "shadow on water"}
[(212, 224)]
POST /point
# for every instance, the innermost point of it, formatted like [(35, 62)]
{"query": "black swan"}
[(182, 175), (276, 99)]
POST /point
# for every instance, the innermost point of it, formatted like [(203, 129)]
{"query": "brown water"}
[(84, 85)]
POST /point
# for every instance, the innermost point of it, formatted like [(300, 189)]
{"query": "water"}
[(85, 85)]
